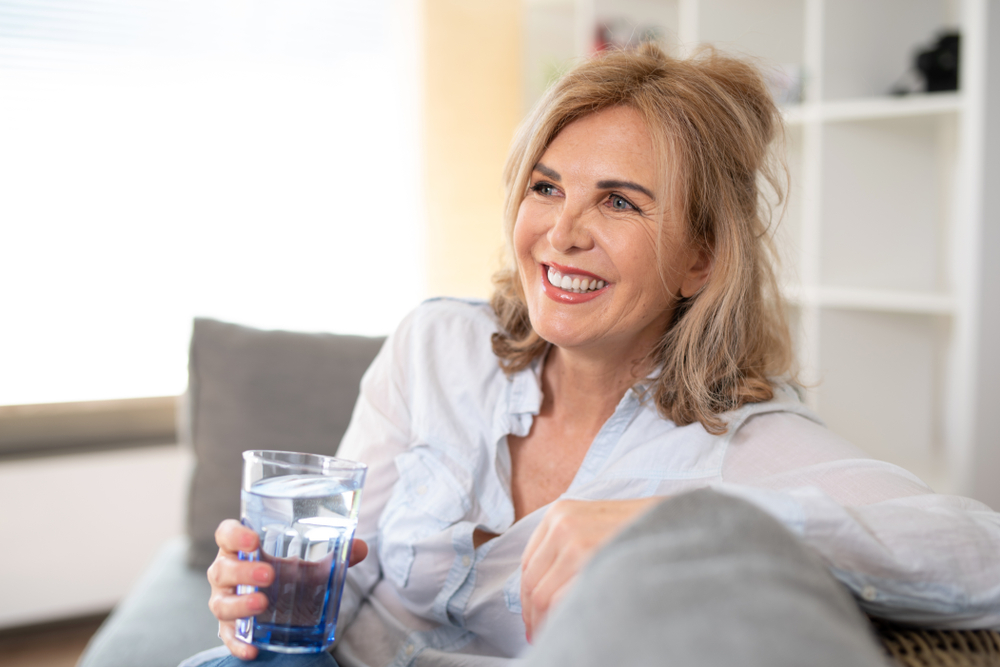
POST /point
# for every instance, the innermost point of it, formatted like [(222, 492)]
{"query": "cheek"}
[(524, 222), (519, 236), (522, 243), (637, 253), (676, 256), (524, 231)]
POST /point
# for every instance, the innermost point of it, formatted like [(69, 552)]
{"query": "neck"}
[(586, 388)]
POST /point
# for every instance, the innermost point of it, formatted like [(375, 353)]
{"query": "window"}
[(250, 160)]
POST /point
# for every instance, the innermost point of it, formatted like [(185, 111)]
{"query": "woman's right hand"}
[(228, 572)]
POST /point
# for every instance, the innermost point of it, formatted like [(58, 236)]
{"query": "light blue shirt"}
[(432, 423)]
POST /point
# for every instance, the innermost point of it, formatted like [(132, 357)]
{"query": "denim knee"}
[(220, 657)]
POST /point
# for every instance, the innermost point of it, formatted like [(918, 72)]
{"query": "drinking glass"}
[(304, 508)]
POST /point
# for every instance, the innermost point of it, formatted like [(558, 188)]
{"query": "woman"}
[(634, 349)]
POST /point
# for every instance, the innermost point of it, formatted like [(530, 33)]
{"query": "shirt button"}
[(421, 490), (409, 649), (869, 593), (466, 561)]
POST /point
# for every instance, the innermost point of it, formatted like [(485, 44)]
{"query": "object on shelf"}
[(934, 70), (939, 65), (785, 84), (621, 33)]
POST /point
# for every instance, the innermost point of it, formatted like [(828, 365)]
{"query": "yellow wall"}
[(472, 70)]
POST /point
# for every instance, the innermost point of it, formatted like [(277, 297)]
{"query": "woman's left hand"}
[(565, 540)]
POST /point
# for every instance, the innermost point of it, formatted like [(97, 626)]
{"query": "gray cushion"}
[(164, 618), (253, 389)]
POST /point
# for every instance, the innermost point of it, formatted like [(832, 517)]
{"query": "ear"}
[(699, 270)]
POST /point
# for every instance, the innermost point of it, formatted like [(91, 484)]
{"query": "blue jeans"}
[(220, 657)]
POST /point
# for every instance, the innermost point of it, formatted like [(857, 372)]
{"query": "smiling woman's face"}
[(586, 234)]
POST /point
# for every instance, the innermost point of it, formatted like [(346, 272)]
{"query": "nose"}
[(570, 230)]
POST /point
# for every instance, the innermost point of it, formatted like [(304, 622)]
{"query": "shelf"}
[(880, 379), (874, 108), (890, 301)]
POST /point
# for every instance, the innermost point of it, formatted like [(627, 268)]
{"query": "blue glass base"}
[(285, 638)]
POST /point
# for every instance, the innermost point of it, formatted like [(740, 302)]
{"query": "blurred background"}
[(324, 165)]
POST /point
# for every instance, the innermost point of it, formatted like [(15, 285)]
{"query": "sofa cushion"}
[(163, 620), (253, 389)]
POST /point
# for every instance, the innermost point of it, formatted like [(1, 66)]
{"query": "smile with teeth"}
[(570, 283)]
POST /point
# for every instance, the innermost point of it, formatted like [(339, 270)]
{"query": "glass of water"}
[(304, 508)]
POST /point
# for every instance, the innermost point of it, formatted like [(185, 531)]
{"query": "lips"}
[(569, 285), (574, 282)]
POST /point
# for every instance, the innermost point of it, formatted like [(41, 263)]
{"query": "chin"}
[(562, 334)]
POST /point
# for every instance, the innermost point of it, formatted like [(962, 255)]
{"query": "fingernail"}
[(257, 604), (261, 574), (247, 541)]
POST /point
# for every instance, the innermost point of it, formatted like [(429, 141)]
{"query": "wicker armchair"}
[(916, 647)]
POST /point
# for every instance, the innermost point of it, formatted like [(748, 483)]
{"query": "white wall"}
[(211, 158), (77, 530)]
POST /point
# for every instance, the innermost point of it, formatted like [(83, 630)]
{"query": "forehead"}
[(615, 139)]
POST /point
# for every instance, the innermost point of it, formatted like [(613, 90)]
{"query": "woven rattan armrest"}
[(920, 647)]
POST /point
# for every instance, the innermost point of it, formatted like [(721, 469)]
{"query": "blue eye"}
[(619, 203), (543, 188)]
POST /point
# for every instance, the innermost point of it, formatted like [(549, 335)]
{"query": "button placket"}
[(461, 541), (409, 651), (470, 559)]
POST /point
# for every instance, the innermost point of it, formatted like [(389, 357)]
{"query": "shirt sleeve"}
[(907, 553), (379, 430)]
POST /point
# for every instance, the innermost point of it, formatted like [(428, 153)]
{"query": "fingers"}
[(227, 572), (230, 606), (557, 543), (537, 559), (244, 651), (359, 551), (561, 592), (536, 537), (554, 583), (540, 615), (562, 544), (233, 536), (553, 567)]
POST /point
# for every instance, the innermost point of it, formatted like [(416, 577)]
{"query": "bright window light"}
[(249, 160)]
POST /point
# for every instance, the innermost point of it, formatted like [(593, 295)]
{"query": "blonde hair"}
[(712, 122)]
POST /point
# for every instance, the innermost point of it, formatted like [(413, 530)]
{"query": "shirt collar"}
[(526, 388)]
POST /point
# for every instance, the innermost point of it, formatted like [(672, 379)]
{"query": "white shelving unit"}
[(879, 237)]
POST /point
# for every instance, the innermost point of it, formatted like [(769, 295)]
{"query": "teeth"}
[(575, 284)]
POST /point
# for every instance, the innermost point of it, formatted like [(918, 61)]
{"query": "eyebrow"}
[(604, 185), (551, 173), (626, 185)]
